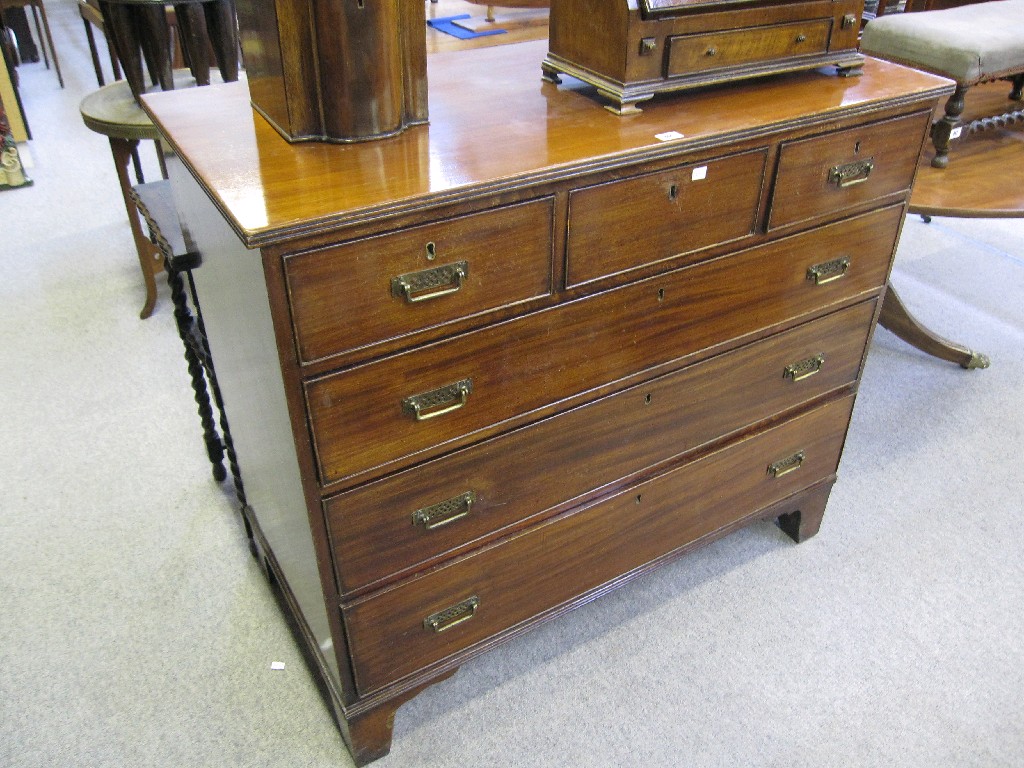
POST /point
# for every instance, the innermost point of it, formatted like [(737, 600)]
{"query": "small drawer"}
[(398, 523), (421, 621), (432, 399), (706, 51), (832, 173), (621, 225), (366, 291)]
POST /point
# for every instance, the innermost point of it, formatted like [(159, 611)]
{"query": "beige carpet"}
[(136, 630)]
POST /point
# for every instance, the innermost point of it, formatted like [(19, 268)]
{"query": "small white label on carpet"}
[(277, 665)]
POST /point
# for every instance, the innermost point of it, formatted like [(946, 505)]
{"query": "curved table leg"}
[(149, 254), (896, 318)]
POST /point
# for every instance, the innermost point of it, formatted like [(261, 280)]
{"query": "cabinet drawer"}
[(394, 633), (621, 225), (366, 291), (831, 173), (398, 523), (699, 53), (365, 418)]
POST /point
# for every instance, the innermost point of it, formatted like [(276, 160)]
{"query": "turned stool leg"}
[(942, 130)]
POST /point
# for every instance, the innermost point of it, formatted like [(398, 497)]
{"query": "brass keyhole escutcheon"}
[(661, 294), (673, 192), (431, 251), (647, 399)]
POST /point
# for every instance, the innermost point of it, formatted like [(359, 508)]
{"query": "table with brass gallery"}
[(489, 369)]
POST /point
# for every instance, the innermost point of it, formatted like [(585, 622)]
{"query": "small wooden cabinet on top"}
[(632, 49)]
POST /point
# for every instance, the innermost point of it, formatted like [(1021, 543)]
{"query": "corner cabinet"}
[(485, 371)]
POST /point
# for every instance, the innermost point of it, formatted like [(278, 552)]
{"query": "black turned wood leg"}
[(942, 130), (1017, 93), (187, 331), (220, 22), (804, 521), (896, 318), (192, 36)]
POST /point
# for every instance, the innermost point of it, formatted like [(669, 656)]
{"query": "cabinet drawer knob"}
[(450, 617), (444, 512), (804, 368), (787, 465), (423, 286), (848, 174), (444, 399), (711, 52), (801, 38), (827, 271)]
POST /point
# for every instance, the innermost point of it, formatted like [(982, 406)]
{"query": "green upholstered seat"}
[(967, 43)]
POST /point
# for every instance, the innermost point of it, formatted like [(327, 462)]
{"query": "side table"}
[(113, 112)]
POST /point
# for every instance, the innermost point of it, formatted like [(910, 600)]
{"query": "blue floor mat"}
[(445, 25)]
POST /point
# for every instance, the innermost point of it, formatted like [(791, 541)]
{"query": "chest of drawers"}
[(485, 371)]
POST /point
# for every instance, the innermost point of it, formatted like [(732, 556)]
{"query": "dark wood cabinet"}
[(631, 51), (478, 376)]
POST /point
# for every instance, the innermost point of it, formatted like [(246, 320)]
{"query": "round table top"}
[(983, 176), (113, 111)]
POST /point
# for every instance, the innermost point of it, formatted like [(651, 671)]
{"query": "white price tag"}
[(277, 665), (955, 133), (668, 136), (699, 174)]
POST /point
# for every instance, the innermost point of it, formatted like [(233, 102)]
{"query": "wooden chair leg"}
[(49, 41), (897, 318), (942, 130)]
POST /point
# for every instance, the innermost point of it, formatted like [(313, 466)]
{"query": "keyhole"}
[(638, 497), (661, 294), (431, 251), (647, 398), (856, 148), (360, 4), (673, 192)]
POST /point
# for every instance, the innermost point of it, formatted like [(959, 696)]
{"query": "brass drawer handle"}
[(450, 617), (804, 368), (848, 174), (444, 512), (827, 271), (787, 465), (446, 399), (411, 286)]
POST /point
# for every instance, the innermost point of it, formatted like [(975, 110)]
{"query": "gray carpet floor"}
[(137, 630)]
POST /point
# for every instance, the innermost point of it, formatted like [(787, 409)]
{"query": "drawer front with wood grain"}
[(415, 405), (379, 288), (828, 174), (399, 523), (416, 623), (621, 225), (699, 53)]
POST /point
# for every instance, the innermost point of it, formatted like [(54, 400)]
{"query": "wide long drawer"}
[(424, 620), (411, 406), (366, 291), (398, 523), (736, 47)]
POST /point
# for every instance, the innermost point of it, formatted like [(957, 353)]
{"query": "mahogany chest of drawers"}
[(485, 371)]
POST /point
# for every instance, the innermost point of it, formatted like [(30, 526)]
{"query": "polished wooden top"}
[(983, 177), (494, 125)]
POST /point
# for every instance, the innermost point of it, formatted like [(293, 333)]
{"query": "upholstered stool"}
[(971, 44)]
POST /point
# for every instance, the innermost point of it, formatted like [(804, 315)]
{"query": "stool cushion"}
[(965, 43)]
